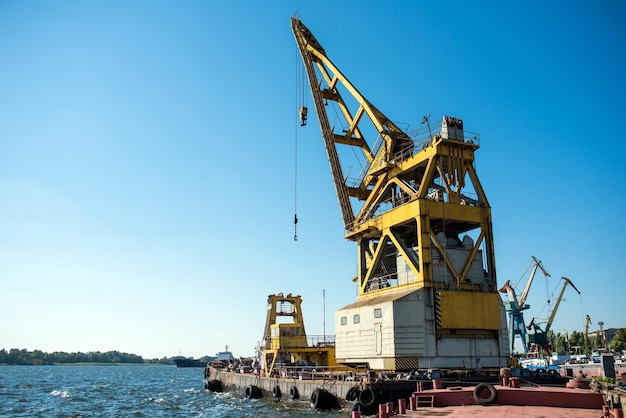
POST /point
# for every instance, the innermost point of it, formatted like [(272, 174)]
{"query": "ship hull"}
[(185, 362), (304, 385)]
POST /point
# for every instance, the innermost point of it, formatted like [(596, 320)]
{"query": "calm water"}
[(130, 391)]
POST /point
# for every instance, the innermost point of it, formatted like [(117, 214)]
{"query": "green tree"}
[(597, 341), (618, 344), (576, 338), (551, 338), (586, 345), (561, 344)]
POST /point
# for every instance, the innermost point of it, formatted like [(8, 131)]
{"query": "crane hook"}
[(295, 227), (303, 114)]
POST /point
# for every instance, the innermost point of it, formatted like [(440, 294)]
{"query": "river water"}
[(130, 391)]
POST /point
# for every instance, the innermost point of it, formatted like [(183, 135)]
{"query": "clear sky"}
[(147, 159)]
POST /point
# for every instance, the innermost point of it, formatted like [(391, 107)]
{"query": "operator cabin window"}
[(356, 319), (378, 313), (344, 320)]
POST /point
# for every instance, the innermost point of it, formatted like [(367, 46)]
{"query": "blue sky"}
[(147, 180)]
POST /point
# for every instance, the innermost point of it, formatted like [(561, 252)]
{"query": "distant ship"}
[(188, 362), (224, 356)]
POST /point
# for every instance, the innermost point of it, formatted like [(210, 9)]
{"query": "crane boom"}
[(538, 264), (566, 282), (514, 307), (396, 142), (311, 51), (540, 337)]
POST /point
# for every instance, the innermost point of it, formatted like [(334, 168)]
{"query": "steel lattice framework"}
[(416, 198)]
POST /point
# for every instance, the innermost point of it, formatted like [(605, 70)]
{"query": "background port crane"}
[(426, 272), (587, 346), (514, 307), (539, 339)]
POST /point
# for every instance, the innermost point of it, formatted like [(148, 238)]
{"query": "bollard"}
[(401, 406), (356, 414), (437, 384), (505, 380), (382, 410), (389, 409), (413, 403), (618, 413), (420, 386)]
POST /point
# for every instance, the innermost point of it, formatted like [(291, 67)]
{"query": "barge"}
[(428, 320)]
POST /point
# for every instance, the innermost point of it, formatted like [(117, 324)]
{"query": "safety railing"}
[(316, 372), (301, 341)]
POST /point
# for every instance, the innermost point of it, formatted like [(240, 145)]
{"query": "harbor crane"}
[(514, 307), (587, 323), (413, 204), (540, 336)]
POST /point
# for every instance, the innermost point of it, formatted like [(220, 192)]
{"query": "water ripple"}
[(130, 391)]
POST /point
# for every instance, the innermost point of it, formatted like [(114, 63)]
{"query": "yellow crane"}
[(415, 207), (540, 336), (587, 323), (285, 342)]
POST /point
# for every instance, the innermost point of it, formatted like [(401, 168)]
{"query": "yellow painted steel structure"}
[(403, 179), (413, 204), (285, 342)]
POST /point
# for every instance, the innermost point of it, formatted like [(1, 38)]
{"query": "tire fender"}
[(485, 387), (353, 394), (318, 399), (293, 393), (367, 397)]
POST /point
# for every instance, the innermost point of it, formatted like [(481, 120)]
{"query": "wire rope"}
[(295, 169)]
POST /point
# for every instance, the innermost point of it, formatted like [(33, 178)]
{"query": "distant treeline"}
[(38, 357)]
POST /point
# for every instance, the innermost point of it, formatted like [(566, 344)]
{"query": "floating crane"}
[(514, 307), (415, 207), (540, 336)]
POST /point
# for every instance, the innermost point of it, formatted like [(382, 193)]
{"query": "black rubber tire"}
[(293, 393), (493, 394), (318, 399), (353, 394), (367, 397), (331, 401), (214, 385), (253, 392), (276, 392)]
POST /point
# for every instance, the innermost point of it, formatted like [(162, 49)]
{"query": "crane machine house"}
[(427, 289)]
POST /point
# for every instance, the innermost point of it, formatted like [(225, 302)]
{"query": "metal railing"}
[(316, 372), (422, 138), (301, 341)]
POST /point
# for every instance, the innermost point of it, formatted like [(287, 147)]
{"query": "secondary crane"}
[(426, 272), (514, 307), (587, 323), (540, 336)]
